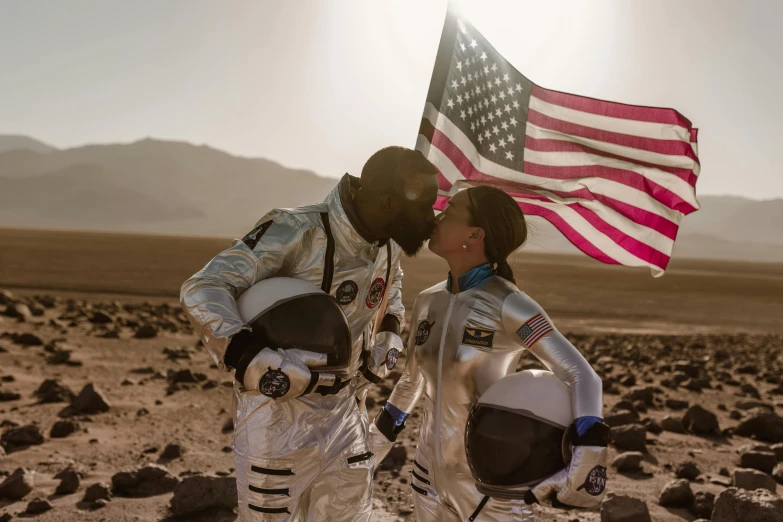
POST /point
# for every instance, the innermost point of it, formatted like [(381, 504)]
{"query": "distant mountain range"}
[(164, 187)]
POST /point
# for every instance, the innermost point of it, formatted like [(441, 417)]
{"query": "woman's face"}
[(452, 226)]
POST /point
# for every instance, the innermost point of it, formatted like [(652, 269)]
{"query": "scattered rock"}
[(228, 426), (69, 482), (52, 390), (37, 506), (777, 473), (630, 438), (646, 394), (761, 460), (751, 479), (63, 428), (146, 331), (91, 400), (200, 492), (738, 505), (396, 458), (28, 339), (99, 491), (23, 436), (101, 318), (628, 461), (621, 508), (148, 481), (18, 484), (172, 451), (676, 493), (672, 424), (750, 404), (621, 418), (9, 396), (703, 504), (700, 421), (687, 470), (675, 404), (762, 424)]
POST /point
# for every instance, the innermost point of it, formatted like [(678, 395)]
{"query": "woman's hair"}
[(503, 222)]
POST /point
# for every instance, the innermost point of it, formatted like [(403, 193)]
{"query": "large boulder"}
[(147, 481), (739, 505), (751, 479), (630, 438), (201, 492), (762, 424), (628, 461), (676, 493), (18, 484), (621, 508), (91, 400), (700, 421)]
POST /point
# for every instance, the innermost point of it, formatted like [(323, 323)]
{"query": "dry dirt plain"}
[(706, 333)]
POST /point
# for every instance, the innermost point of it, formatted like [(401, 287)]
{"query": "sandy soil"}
[(723, 318)]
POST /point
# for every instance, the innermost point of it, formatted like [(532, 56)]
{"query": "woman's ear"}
[(477, 236)]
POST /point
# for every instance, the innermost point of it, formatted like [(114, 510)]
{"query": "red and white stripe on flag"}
[(615, 179)]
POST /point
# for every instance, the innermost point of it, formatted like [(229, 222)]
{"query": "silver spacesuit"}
[(460, 344), (307, 458)]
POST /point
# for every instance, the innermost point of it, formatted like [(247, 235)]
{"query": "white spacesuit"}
[(306, 458), (460, 344)]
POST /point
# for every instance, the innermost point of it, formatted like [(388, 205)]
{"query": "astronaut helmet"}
[(517, 433), (285, 312)]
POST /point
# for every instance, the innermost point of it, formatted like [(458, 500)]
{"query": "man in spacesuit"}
[(305, 456)]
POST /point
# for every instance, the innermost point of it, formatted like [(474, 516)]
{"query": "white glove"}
[(284, 374), (380, 446), (383, 356), (582, 483)]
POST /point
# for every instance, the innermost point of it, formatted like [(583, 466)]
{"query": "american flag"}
[(615, 179), (534, 329)]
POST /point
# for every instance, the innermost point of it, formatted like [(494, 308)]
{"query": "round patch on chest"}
[(375, 294), (274, 384), (346, 292), (423, 332)]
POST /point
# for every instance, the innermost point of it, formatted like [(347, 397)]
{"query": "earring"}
[(465, 248)]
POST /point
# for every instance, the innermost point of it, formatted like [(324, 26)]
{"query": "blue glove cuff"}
[(584, 423), (397, 414)]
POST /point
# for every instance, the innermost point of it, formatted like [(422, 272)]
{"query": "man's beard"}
[(409, 234)]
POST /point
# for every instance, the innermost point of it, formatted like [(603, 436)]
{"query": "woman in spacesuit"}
[(468, 332)]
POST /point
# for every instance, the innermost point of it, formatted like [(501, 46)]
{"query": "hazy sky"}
[(323, 84)]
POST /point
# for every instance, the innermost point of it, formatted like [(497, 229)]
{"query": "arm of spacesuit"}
[(391, 421), (583, 482), (387, 346), (209, 296)]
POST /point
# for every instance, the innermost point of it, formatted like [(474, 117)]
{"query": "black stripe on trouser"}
[(421, 479), (267, 471), (479, 508), (420, 467), (418, 490), (268, 510), (359, 458), (283, 491)]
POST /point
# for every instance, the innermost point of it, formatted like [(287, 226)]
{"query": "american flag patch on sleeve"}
[(534, 329)]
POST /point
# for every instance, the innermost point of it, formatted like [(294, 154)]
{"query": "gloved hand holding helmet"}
[(522, 442), (299, 340)]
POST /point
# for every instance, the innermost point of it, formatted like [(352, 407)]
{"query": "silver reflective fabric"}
[(314, 446), (459, 345)]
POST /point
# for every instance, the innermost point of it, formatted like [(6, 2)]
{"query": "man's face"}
[(415, 220)]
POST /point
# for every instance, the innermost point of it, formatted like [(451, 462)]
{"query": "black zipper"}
[(268, 510), (479, 508)]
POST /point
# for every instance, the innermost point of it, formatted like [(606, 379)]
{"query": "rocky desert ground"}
[(112, 411)]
